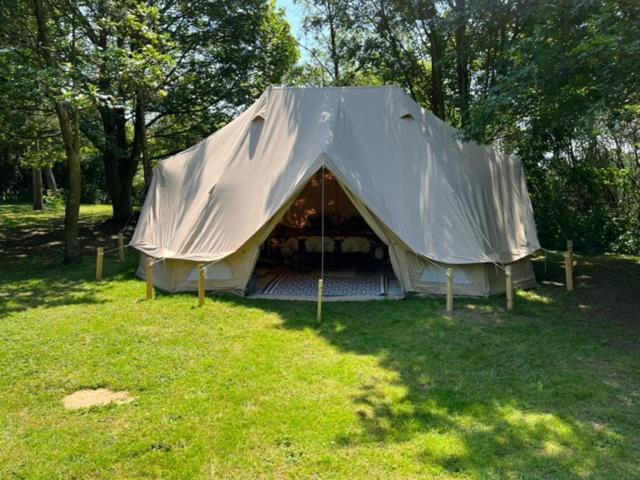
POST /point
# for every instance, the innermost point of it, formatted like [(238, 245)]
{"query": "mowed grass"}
[(256, 389)]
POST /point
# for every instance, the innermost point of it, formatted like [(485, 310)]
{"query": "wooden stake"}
[(509, 286), (149, 278), (568, 270), (202, 275), (449, 289), (99, 263), (120, 247), (320, 291)]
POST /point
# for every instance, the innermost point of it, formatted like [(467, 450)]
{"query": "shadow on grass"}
[(482, 391), (32, 248), (44, 285)]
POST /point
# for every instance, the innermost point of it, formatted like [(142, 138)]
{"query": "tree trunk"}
[(462, 62), (119, 167), (70, 128), (333, 47), (37, 189), (51, 180), (437, 72), (69, 119), (141, 129)]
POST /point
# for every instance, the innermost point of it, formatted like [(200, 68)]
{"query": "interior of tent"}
[(323, 235)]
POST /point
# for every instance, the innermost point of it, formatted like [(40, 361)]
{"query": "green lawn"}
[(255, 389)]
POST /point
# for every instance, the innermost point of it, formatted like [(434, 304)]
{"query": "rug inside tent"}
[(341, 285)]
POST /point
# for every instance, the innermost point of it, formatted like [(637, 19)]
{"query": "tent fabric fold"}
[(409, 175)]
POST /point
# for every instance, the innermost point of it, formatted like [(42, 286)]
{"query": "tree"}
[(159, 75), (555, 82), (145, 79), (34, 71), (68, 117), (226, 54)]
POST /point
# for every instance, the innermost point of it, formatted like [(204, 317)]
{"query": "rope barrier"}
[(116, 248), (435, 264), (204, 267), (161, 259)]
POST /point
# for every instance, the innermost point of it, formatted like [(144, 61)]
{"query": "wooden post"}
[(149, 278), (570, 246), (449, 289), (509, 286), (320, 291), (202, 275), (99, 263), (120, 247), (568, 270)]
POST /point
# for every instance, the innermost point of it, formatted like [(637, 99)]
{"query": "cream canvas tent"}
[(433, 199)]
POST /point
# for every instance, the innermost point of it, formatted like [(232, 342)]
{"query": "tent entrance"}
[(356, 262)]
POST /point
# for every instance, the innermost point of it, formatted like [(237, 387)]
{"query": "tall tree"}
[(336, 37), (460, 20), (37, 188), (163, 75), (68, 118)]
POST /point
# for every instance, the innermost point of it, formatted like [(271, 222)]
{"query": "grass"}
[(255, 389)]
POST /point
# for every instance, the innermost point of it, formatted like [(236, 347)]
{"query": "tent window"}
[(407, 117), (433, 274), (255, 130), (217, 271)]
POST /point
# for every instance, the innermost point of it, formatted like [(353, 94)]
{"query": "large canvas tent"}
[(433, 199)]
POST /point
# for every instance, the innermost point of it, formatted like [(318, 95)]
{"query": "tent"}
[(434, 200)]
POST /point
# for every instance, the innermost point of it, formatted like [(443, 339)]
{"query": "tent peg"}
[(99, 262), (320, 292), (149, 278), (449, 289), (202, 276), (509, 286), (120, 247), (568, 270)]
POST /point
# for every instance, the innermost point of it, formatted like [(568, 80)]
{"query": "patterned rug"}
[(298, 284)]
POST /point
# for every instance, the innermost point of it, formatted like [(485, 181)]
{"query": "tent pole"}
[(321, 280), (322, 226), (449, 289), (202, 276), (99, 262), (149, 278), (509, 286)]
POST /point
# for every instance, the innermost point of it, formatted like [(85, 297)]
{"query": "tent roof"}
[(445, 199)]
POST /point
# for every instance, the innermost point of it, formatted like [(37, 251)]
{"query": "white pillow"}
[(290, 247), (356, 245), (314, 244)]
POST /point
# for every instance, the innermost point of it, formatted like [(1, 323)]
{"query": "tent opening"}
[(356, 261)]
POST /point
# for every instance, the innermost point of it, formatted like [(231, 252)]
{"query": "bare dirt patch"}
[(97, 397)]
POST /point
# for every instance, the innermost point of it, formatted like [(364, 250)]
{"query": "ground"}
[(256, 389)]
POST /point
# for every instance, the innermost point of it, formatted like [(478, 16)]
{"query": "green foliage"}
[(185, 67), (564, 102), (54, 201), (226, 57), (556, 82)]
